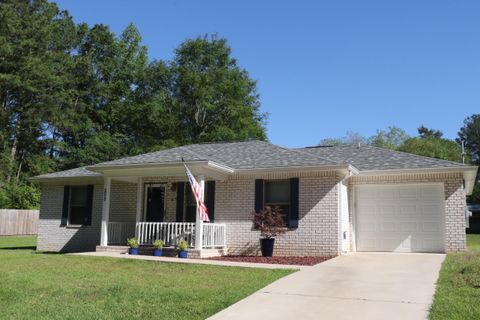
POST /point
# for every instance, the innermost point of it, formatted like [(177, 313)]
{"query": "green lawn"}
[(55, 286), (458, 288)]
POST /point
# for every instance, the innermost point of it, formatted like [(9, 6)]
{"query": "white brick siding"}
[(317, 232), (52, 236), (123, 202)]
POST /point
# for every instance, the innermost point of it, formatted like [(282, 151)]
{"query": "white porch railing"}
[(169, 232), (214, 234), (118, 232)]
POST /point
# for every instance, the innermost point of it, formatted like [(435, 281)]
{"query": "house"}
[(334, 199)]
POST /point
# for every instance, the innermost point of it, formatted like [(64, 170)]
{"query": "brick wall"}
[(123, 202), (455, 238), (52, 236), (317, 232)]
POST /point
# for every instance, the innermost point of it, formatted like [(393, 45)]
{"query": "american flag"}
[(197, 191)]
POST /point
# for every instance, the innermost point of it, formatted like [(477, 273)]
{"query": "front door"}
[(155, 203)]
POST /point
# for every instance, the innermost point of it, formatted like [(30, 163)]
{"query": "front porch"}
[(156, 204)]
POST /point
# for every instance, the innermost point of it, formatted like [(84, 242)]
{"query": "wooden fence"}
[(18, 222)]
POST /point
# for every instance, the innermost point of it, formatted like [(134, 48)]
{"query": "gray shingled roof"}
[(259, 154), (236, 155), (72, 173), (373, 158)]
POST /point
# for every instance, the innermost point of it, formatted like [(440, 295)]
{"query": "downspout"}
[(339, 211)]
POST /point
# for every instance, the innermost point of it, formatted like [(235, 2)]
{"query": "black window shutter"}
[(210, 203), (180, 200), (258, 195), (66, 204), (89, 207), (293, 218)]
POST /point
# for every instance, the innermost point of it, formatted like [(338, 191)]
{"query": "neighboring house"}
[(334, 199)]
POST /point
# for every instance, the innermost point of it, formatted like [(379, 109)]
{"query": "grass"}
[(55, 286), (458, 288)]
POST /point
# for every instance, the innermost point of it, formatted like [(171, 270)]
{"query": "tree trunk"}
[(19, 169), (13, 150)]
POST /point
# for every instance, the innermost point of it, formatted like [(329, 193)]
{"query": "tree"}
[(35, 38), (351, 138), (73, 95), (424, 132), (430, 143), (97, 122), (470, 135), (214, 98), (392, 138)]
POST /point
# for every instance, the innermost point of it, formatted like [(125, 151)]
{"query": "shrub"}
[(132, 242), (182, 245), (19, 196), (269, 222), (158, 244)]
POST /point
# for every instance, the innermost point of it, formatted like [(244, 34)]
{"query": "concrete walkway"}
[(191, 261), (354, 286)]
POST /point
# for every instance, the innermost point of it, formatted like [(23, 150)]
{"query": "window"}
[(78, 205), (191, 204), (277, 194)]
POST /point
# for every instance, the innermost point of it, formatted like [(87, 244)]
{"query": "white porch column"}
[(138, 217), (198, 221), (107, 183)]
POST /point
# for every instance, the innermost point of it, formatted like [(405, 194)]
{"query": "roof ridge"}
[(318, 157), (223, 142)]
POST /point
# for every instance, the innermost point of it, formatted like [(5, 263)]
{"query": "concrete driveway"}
[(354, 286)]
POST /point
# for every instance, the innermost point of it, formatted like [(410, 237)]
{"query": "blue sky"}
[(324, 68)]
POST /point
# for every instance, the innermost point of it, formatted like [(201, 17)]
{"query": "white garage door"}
[(400, 218)]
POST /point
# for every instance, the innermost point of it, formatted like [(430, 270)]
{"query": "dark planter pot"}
[(157, 252), (183, 254), (267, 247), (133, 251)]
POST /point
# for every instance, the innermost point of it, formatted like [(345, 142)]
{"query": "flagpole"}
[(198, 189), (198, 219)]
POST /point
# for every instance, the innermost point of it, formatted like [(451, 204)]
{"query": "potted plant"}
[(182, 249), (133, 244), (270, 224), (158, 245)]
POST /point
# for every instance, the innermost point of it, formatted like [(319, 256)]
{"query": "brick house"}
[(334, 200)]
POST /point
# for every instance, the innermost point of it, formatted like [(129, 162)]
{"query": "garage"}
[(400, 218)]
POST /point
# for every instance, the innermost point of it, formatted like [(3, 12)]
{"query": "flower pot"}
[(267, 246), (157, 252), (183, 254), (133, 251)]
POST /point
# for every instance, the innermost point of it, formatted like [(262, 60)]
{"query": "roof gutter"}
[(348, 168), (163, 165), (469, 173), (67, 179)]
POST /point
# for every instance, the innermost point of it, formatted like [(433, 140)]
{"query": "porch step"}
[(120, 249), (167, 251)]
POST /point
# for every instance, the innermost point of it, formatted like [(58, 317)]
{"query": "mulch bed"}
[(297, 261)]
